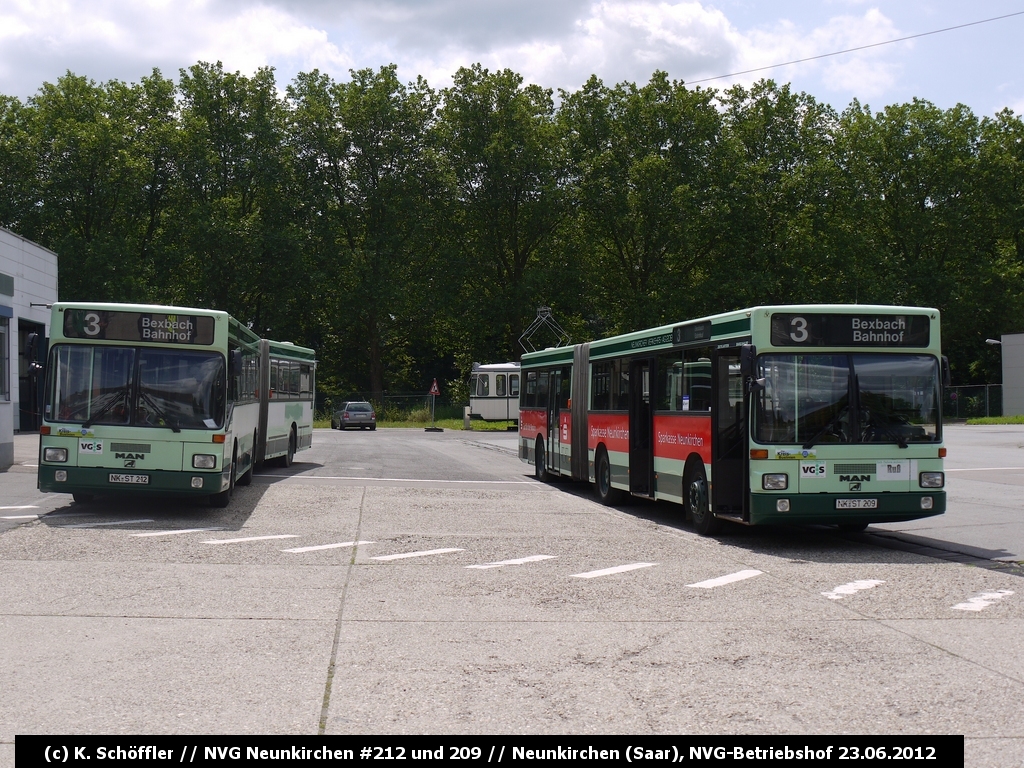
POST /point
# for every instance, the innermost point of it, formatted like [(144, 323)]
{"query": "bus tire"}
[(540, 464), (222, 499), (696, 486), (606, 494), (289, 458), (246, 479)]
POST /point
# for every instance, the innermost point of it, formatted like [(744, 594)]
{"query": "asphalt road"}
[(408, 582)]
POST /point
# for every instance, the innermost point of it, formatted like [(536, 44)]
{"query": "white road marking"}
[(97, 525), (404, 479), (610, 571), (517, 561), (23, 506), (175, 532), (729, 579), (982, 601), (20, 517), (852, 588), (328, 546), (424, 553), (252, 538)]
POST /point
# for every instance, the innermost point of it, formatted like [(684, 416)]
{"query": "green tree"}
[(364, 150), (501, 142)]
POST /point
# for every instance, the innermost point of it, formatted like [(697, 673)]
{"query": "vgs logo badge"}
[(812, 470)]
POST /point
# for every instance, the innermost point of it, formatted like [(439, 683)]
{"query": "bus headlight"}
[(775, 482), (204, 461), (933, 479), (55, 454)]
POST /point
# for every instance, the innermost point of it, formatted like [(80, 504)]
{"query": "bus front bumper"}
[(98, 480), (820, 508)]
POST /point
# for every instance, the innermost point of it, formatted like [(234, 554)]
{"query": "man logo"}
[(129, 463), (854, 486), (853, 478)]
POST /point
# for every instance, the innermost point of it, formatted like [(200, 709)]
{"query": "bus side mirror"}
[(31, 344), (748, 353), (947, 378)]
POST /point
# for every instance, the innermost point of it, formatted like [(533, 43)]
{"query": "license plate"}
[(130, 479), (856, 503)]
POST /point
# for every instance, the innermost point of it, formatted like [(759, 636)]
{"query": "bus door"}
[(641, 453), (554, 455), (729, 436)]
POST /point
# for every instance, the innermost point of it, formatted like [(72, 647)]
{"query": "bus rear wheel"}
[(697, 507), (606, 494), (289, 458)]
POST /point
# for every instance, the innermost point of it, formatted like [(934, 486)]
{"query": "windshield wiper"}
[(824, 430), (169, 422), (116, 398)]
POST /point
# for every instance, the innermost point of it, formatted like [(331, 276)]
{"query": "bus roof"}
[(716, 329)]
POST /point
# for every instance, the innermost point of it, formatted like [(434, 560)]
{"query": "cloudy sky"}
[(556, 43)]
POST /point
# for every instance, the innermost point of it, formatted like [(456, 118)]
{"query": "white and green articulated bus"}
[(823, 414), (156, 399)]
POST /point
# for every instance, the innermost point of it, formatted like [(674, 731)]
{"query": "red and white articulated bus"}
[(825, 414)]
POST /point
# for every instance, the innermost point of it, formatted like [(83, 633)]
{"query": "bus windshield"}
[(140, 387), (847, 398)]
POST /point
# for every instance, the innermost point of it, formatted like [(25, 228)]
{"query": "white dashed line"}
[(424, 553), (722, 580), (610, 571), (251, 538), (517, 561), (20, 517), (97, 525), (853, 587), (23, 506), (982, 601), (318, 547), (176, 532)]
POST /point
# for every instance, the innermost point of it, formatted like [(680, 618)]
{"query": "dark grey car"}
[(354, 414)]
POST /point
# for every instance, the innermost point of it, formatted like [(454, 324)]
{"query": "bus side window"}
[(542, 389), (273, 377), (530, 398), (499, 385), (620, 380), (472, 385), (483, 388), (306, 380), (670, 383), (697, 380), (600, 387), (513, 385)]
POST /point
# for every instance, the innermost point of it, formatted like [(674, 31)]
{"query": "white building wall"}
[(34, 272), (1013, 373)]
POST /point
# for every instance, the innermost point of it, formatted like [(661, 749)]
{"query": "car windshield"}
[(839, 398), (141, 387)]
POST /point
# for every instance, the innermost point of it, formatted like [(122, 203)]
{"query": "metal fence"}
[(973, 402)]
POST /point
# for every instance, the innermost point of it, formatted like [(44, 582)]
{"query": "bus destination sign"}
[(691, 332), (810, 329), (138, 326)]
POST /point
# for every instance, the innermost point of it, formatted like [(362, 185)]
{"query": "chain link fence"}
[(971, 402), (408, 406)]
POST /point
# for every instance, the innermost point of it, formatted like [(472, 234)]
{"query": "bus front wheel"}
[(222, 499), (696, 485), (540, 464)]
